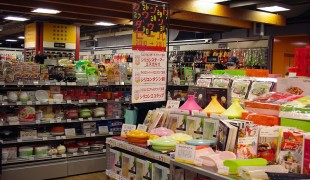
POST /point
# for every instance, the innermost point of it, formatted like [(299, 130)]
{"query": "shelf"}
[(69, 102), (54, 83), (55, 121), (49, 157), (199, 170), (138, 150), (58, 138), (113, 175)]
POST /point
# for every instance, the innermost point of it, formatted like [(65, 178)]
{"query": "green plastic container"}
[(229, 72), (234, 164)]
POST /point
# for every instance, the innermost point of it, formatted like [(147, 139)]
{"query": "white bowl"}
[(72, 150), (41, 95)]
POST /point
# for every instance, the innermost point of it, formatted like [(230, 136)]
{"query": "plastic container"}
[(236, 163), (259, 172), (41, 150), (25, 151)]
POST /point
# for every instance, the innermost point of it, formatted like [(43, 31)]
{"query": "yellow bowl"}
[(137, 134)]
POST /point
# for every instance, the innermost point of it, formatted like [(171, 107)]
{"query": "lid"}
[(26, 148), (162, 131), (190, 104), (164, 141), (181, 137), (137, 134), (214, 106), (201, 142)]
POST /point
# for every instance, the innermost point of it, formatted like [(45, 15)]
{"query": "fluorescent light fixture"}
[(11, 40), (15, 18), (104, 24), (273, 7), (215, 1), (46, 11), (21, 37)]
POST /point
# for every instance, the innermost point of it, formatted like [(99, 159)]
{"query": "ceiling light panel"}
[(273, 7), (104, 24), (46, 11), (11, 40), (16, 18)]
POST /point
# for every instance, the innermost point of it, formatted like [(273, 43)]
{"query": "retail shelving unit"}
[(146, 154), (54, 166)]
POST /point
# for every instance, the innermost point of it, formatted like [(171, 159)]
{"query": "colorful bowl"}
[(137, 136), (162, 131), (181, 137)]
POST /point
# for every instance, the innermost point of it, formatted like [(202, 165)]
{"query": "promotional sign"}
[(148, 93), (59, 36), (149, 27), (30, 35), (149, 37)]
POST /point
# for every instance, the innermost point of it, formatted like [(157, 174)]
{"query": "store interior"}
[(154, 90)]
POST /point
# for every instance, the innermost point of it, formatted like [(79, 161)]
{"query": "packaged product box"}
[(296, 86), (132, 167), (261, 119), (223, 96), (305, 169), (160, 172), (181, 124), (113, 160), (139, 168), (297, 109), (147, 170), (118, 162), (296, 123), (200, 95), (125, 165)]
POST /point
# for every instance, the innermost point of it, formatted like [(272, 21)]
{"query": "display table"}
[(121, 144)]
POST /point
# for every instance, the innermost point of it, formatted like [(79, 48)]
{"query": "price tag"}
[(116, 100), (92, 83), (81, 119), (172, 104), (64, 155), (47, 82), (69, 101), (103, 129), (70, 132), (69, 120), (90, 118), (92, 134), (35, 82), (126, 128), (102, 118), (51, 101), (5, 103), (218, 116), (14, 123), (58, 83), (18, 103), (116, 83), (117, 117), (52, 121), (185, 152), (2, 83), (31, 158), (81, 101), (122, 83), (104, 150), (19, 140), (44, 138), (85, 152), (58, 101), (20, 83), (142, 127), (58, 120), (88, 135), (29, 103), (63, 83), (110, 133), (104, 100), (71, 83), (58, 137), (63, 137), (54, 156), (38, 102), (126, 99), (38, 121), (75, 154)]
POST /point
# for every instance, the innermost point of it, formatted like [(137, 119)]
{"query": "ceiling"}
[(186, 15)]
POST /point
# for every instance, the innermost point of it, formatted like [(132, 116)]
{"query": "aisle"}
[(92, 176)]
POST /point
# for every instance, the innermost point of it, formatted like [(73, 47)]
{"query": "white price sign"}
[(126, 128), (70, 132), (142, 127), (185, 152), (103, 130), (172, 104)]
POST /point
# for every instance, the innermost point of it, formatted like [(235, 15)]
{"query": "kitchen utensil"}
[(162, 131)]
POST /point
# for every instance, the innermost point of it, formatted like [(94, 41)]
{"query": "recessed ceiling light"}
[(104, 24), (46, 11), (21, 37), (11, 40), (273, 7), (16, 18)]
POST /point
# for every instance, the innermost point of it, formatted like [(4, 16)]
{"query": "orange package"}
[(261, 119)]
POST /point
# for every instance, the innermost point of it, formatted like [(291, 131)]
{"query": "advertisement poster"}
[(148, 93), (149, 27), (149, 37)]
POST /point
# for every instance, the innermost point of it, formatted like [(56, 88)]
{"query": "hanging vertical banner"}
[(149, 40), (30, 35)]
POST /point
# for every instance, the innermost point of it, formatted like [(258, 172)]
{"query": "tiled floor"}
[(92, 176)]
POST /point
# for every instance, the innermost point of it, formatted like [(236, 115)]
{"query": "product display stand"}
[(115, 142)]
